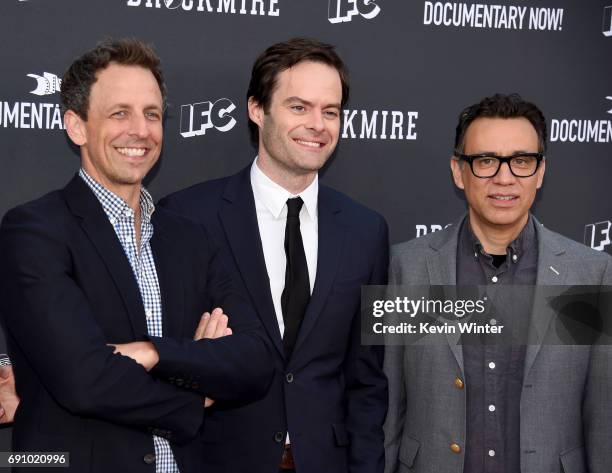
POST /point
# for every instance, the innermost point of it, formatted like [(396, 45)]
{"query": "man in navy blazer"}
[(96, 263), (326, 406)]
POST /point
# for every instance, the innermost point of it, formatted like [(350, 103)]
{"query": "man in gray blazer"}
[(530, 408)]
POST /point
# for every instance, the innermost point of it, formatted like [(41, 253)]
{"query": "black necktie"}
[(297, 286)]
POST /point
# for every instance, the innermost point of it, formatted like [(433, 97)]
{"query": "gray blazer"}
[(566, 407)]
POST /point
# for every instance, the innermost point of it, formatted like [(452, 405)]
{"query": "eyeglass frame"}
[(469, 158)]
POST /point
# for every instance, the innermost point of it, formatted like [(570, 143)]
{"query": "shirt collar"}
[(114, 206), (517, 247), (274, 197)]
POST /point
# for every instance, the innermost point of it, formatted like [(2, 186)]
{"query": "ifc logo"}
[(597, 235), (196, 118), (606, 29), (344, 10)]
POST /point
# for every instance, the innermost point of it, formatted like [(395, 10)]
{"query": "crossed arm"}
[(144, 353)]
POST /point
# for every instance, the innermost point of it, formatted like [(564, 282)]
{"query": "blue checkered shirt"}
[(121, 216)]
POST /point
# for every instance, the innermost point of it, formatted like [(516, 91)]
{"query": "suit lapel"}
[(239, 220), (552, 271), (84, 204), (442, 263), (330, 242), (169, 276), (442, 268)]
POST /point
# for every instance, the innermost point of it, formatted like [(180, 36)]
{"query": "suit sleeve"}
[(49, 317), (597, 403), (394, 370), (236, 368), (366, 385)]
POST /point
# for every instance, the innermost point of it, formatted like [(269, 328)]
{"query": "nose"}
[(315, 121), (504, 176), (139, 126)]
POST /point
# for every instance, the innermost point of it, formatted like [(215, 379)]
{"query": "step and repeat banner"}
[(414, 66)]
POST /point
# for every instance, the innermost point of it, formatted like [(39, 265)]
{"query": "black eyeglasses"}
[(488, 165)]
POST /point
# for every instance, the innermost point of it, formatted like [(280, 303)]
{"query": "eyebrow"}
[(494, 153), (306, 102), (128, 106)]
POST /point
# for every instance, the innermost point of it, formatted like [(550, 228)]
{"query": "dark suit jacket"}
[(67, 290), (331, 395)]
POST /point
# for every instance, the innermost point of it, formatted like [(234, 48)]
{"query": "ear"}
[(75, 127), (256, 112), (541, 171), (457, 169)]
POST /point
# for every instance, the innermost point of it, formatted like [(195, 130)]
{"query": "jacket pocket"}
[(573, 460), (408, 450), (341, 435)]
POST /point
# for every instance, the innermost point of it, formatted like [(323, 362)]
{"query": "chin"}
[(131, 180), (505, 220), (312, 166)]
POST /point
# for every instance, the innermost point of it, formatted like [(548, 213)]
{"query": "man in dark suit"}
[(302, 251), (96, 263)]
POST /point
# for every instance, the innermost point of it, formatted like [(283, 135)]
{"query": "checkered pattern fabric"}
[(121, 216)]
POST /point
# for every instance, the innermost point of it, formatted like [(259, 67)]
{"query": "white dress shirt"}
[(271, 208)]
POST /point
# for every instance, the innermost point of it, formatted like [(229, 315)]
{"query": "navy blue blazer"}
[(331, 395), (67, 289)]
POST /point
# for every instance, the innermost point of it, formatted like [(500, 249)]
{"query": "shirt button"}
[(459, 383), (494, 279), (289, 377), (491, 408), (128, 238), (113, 220), (455, 448), (491, 453), (149, 458), (514, 258), (149, 314), (492, 365), (127, 213)]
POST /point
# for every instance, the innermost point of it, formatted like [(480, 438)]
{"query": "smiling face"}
[(299, 132), (501, 202), (121, 139)]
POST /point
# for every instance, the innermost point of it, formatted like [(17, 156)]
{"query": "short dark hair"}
[(81, 75), (502, 106), (282, 56)]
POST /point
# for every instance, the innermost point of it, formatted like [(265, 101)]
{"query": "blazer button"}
[(455, 448), (289, 377), (279, 437), (149, 458), (459, 383)]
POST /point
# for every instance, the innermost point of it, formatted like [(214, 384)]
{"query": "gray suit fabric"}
[(566, 401)]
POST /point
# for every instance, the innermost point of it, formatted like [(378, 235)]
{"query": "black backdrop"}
[(414, 65)]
